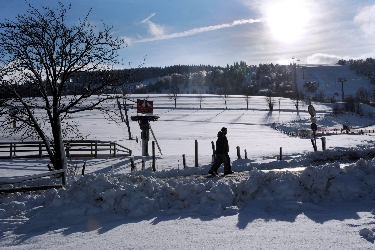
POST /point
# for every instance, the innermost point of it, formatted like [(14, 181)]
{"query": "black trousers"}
[(219, 159)]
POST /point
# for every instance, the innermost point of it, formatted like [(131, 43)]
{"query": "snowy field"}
[(305, 200), (310, 200)]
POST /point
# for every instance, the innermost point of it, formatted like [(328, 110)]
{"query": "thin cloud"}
[(198, 30), (153, 28)]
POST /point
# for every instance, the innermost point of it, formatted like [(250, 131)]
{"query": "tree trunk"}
[(60, 161)]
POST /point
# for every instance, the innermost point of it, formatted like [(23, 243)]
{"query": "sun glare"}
[(287, 19)]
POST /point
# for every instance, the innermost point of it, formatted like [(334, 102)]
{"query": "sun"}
[(288, 19)]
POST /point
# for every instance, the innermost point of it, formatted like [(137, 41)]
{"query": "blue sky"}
[(221, 32)]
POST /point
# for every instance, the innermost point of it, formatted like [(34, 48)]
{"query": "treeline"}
[(238, 78), (142, 74), (362, 67)]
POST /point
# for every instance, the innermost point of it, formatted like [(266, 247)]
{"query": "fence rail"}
[(85, 148)]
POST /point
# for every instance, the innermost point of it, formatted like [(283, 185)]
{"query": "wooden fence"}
[(18, 181), (85, 148)]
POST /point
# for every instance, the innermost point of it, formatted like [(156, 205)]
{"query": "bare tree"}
[(39, 54), (297, 101), (174, 93), (225, 97), (200, 98), (247, 96), (270, 101), (247, 99)]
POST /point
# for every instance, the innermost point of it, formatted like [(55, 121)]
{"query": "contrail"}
[(148, 18), (199, 30)]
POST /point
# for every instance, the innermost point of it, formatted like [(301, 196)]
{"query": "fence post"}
[(323, 143), (96, 149), (213, 151), (63, 178), (238, 152), (245, 154), (281, 153), (67, 149), (153, 156), (114, 149), (40, 150), (11, 150), (196, 153), (143, 164), (183, 161), (83, 168), (313, 142), (132, 168)]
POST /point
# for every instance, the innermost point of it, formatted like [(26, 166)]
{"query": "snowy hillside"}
[(327, 78)]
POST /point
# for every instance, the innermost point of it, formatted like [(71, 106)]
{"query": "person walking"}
[(221, 154), (227, 170)]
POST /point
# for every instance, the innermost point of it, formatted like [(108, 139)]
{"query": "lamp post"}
[(342, 80)]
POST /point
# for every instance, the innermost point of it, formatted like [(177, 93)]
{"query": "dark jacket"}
[(222, 146)]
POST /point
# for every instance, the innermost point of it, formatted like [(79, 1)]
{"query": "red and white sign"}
[(145, 107)]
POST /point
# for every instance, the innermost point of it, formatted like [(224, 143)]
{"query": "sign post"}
[(145, 107)]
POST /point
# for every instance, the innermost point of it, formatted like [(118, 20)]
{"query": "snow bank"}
[(138, 195)]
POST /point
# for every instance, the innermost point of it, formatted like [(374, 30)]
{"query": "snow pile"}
[(138, 195)]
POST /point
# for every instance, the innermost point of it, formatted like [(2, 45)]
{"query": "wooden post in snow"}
[(323, 143), (281, 153), (83, 168), (11, 151), (153, 157), (196, 153), (183, 161), (238, 152), (132, 168)]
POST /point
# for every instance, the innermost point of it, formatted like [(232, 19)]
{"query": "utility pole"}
[(342, 80), (303, 70)]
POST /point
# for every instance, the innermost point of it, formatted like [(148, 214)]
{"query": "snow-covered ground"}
[(311, 200)]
